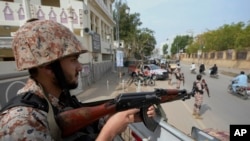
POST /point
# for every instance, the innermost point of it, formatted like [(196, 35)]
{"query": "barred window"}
[(229, 54), (212, 55), (220, 55), (241, 55), (205, 55)]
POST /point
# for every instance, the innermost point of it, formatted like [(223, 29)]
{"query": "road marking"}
[(202, 125), (8, 88)]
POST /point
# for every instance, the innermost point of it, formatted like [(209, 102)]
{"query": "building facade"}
[(90, 20)]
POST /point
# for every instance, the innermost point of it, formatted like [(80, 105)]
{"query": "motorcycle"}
[(216, 75), (203, 72), (193, 70), (202, 69), (241, 91), (145, 80)]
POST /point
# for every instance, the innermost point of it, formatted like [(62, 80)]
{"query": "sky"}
[(169, 18)]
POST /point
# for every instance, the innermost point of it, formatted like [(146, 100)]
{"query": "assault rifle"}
[(73, 120)]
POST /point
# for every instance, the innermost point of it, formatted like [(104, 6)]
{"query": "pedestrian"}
[(50, 52), (199, 86), (179, 78)]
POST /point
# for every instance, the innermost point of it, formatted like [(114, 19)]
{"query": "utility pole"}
[(119, 52)]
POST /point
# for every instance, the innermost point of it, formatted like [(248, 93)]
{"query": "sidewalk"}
[(109, 86)]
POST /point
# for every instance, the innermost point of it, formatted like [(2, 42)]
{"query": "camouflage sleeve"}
[(199, 86), (24, 123)]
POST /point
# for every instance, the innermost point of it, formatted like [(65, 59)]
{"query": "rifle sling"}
[(27, 99)]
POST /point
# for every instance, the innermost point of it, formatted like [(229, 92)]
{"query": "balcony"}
[(13, 14)]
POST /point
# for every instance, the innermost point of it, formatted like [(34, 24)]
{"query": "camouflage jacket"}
[(26, 123)]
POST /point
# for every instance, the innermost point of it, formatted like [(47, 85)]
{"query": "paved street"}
[(179, 113), (111, 85)]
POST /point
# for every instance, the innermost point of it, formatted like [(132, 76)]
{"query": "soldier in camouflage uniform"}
[(179, 77), (199, 87), (50, 51)]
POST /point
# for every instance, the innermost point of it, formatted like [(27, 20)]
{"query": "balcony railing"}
[(12, 14), (5, 42)]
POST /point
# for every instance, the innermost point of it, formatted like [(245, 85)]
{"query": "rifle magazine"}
[(149, 122)]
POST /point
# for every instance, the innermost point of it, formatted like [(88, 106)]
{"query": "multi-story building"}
[(91, 20)]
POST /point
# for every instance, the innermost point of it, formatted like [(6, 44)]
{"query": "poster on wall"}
[(119, 58), (96, 43)]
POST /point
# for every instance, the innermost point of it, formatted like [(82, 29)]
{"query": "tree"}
[(180, 42), (234, 36), (140, 40), (165, 49), (144, 43)]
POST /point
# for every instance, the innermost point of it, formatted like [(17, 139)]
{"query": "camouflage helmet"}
[(41, 42)]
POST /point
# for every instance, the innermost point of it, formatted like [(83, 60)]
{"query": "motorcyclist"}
[(214, 70), (240, 80), (193, 67), (202, 68)]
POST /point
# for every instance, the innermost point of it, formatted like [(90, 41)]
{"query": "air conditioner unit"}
[(88, 31), (121, 44)]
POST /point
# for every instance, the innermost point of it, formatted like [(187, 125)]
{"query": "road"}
[(9, 88), (218, 111)]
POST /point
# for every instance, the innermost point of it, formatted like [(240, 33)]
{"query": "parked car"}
[(160, 73)]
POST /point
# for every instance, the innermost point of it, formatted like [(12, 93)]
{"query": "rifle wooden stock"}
[(73, 120)]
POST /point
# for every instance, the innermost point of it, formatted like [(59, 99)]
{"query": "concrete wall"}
[(227, 59)]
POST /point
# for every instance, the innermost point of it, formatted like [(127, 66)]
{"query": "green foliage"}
[(145, 42), (234, 36), (180, 43), (165, 49), (140, 40)]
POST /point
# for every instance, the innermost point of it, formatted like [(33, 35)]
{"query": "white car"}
[(160, 73)]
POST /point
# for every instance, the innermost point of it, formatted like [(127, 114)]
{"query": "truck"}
[(166, 131)]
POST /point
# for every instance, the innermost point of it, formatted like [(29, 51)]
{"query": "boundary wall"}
[(226, 59)]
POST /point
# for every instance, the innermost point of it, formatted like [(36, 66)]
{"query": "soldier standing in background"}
[(169, 74), (179, 78)]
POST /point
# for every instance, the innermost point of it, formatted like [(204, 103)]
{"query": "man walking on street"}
[(179, 78), (199, 86)]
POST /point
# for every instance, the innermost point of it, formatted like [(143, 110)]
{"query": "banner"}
[(119, 58)]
